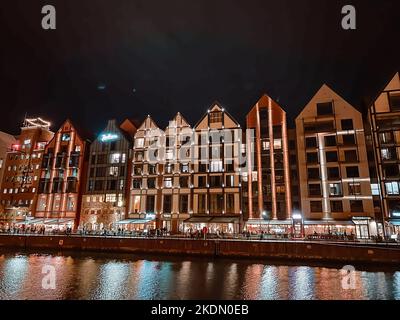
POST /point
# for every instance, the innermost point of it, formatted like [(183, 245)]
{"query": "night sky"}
[(130, 58)]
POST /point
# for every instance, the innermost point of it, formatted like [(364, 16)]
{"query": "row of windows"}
[(218, 203), (21, 179), (24, 156), (15, 202), (113, 158), (331, 141), (333, 173), (335, 189), (356, 206), (213, 182), (56, 204), (23, 168), (332, 156), (110, 185), (18, 190)]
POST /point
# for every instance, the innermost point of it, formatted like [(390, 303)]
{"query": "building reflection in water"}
[(12, 275)]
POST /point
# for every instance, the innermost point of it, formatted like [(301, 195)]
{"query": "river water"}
[(121, 276)]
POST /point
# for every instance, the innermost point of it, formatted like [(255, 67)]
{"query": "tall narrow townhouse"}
[(333, 167), (146, 178), (384, 125), (22, 171), (176, 180), (106, 194), (217, 202), (62, 179), (269, 193)]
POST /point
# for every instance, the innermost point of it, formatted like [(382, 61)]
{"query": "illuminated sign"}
[(108, 137), (396, 214)]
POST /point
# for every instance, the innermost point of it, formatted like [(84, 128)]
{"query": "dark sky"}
[(161, 57)]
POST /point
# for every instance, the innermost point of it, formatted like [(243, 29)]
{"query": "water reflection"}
[(102, 276)]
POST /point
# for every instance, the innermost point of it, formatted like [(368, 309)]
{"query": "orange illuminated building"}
[(269, 203), (22, 171), (62, 179)]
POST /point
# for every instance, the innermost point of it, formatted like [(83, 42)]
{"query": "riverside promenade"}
[(301, 250)]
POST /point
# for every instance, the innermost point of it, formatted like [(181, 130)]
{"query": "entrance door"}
[(362, 231)]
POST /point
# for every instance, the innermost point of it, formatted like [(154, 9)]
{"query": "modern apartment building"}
[(269, 191), (384, 126), (217, 153), (106, 194), (62, 179), (146, 178), (6, 142), (22, 171), (333, 167), (177, 174)]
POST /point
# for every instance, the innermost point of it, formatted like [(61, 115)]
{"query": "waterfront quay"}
[(295, 250)]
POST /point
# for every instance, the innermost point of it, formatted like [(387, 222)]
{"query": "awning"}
[(135, 221), (32, 221), (59, 221), (224, 220), (198, 220), (269, 222), (395, 222), (329, 223)]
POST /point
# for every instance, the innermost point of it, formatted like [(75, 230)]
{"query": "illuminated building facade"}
[(384, 125), (22, 170), (176, 179), (62, 179), (146, 178), (269, 191), (217, 152), (6, 142), (106, 194), (333, 167)]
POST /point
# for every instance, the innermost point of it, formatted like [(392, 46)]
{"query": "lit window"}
[(216, 166), (113, 171), (5, 191), (375, 189), (39, 155), (77, 148), (37, 167), (168, 182), (111, 197), (354, 189), (123, 158), (139, 142), (33, 190), (277, 143), (169, 154), (392, 188), (35, 178), (65, 137), (115, 158), (265, 145), (27, 141), (88, 199), (71, 203), (215, 117)]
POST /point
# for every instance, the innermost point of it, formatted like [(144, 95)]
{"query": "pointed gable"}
[(324, 95), (266, 102), (216, 118), (382, 103)]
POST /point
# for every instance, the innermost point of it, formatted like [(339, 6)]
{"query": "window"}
[(375, 189), (350, 156), (313, 173), (335, 189), (152, 169), (183, 203), (65, 137), (136, 204), (349, 139), (215, 117), (184, 182), (230, 181), (331, 156), (98, 185), (277, 143), (347, 124), (312, 157), (111, 197), (356, 206), (169, 154), (168, 182), (184, 167), (230, 203), (216, 166), (202, 167), (394, 101), (333, 173), (216, 203), (71, 203), (139, 142), (352, 172), (330, 141), (355, 189), (314, 190), (201, 205), (113, 171), (392, 188), (167, 204), (150, 202), (138, 170), (311, 142), (123, 160), (316, 206), (136, 183), (202, 181), (391, 170), (215, 181), (336, 206), (115, 158), (324, 109), (151, 183)]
